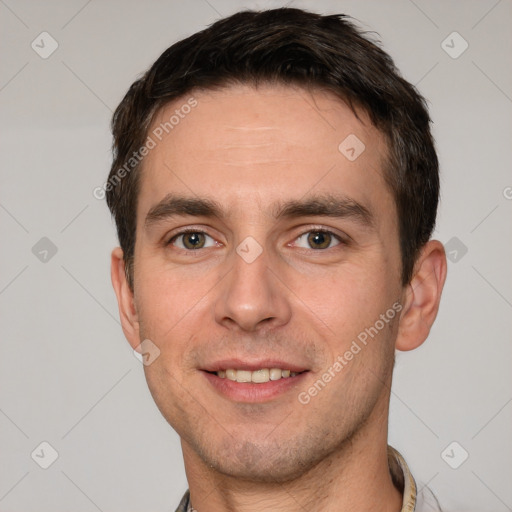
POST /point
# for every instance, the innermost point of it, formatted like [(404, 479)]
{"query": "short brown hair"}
[(287, 46)]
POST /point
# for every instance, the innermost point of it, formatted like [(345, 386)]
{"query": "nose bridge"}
[(251, 296)]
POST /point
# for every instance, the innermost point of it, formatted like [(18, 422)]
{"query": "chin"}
[(267, 461), (250, 463)]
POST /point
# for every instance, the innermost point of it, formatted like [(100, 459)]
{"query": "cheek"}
[(347, 296), (350, 306), (167, 296)]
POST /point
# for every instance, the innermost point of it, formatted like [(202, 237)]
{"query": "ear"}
[(422, 296), (125, 298)]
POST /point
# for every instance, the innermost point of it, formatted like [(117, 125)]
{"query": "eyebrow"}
[(172, 206), (318, 206), (327, 206)]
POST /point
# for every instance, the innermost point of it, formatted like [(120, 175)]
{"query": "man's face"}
[(267, 247)]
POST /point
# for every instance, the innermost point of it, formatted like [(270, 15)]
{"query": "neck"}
[(354, 478)]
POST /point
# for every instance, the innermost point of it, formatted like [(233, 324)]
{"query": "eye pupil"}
[(319, 240), (193, 240)]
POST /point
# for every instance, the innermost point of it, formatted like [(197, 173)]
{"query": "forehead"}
[(246, 145)]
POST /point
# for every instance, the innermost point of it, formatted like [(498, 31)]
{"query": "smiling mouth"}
[(257, 376)]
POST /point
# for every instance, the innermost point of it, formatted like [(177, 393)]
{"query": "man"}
[(275, 187)]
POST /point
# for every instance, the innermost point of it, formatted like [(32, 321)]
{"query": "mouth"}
[(256, 376), (260, 382)]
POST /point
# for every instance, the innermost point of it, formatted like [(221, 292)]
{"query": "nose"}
[(251, 298)]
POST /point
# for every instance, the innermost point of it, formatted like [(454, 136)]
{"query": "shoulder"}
[(426, 501), (183, 506)]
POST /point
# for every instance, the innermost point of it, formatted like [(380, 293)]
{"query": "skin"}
[(252, 150)]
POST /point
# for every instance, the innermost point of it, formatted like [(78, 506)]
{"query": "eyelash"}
[(338, 238), (185, 232)]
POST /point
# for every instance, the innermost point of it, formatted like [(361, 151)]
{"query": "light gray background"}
[(68, 376)]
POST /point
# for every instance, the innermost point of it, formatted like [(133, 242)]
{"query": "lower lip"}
[(250, 392)]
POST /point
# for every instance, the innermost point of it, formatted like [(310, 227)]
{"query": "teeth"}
[(260, 375), (257, 376), (276, 374), (243, 376)]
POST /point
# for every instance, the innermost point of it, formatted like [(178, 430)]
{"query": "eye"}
[(192, 240), (317, 240)]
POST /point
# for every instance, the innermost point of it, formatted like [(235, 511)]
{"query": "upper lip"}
[(238, 364)]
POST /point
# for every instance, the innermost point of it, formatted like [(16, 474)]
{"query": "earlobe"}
[(125, 298), (422, 297)]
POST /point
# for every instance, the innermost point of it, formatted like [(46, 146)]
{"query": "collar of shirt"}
[(402, 479)]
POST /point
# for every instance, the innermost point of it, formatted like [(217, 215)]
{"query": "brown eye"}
[(192, 240), (319, 239)]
